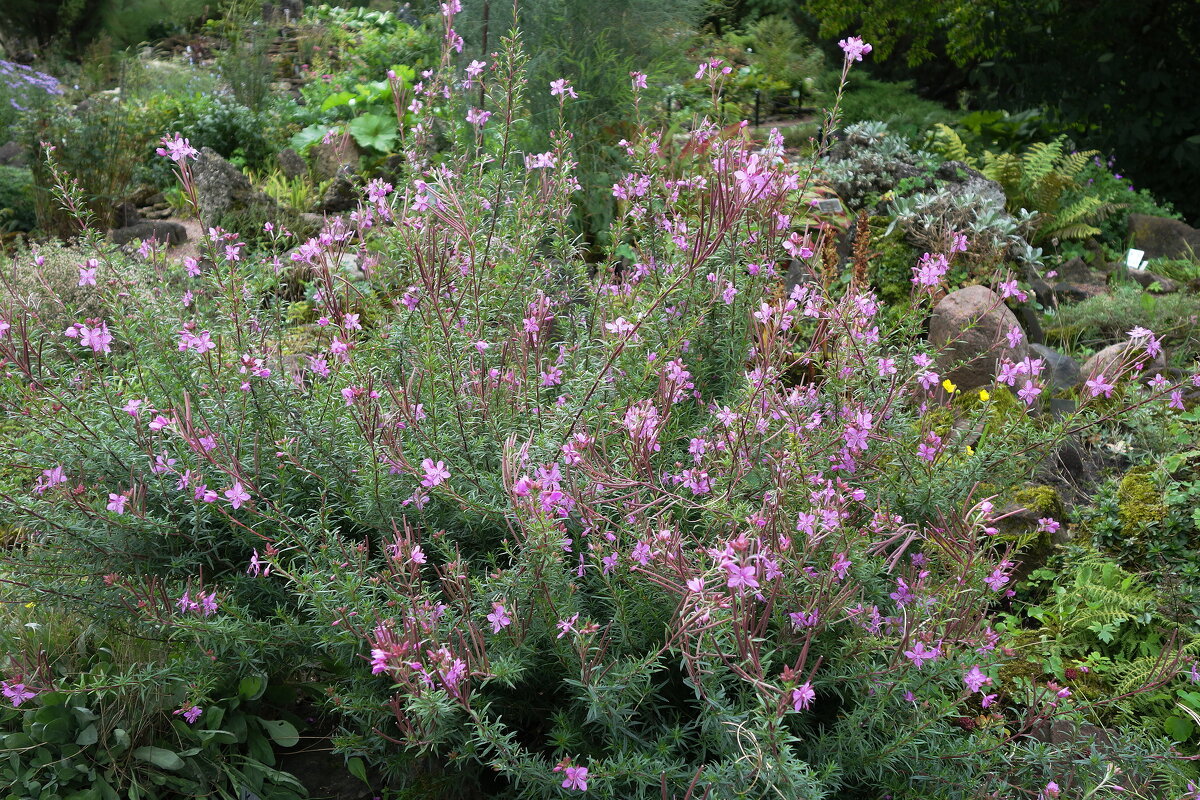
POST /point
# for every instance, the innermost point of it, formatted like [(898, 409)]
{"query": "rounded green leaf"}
[(1178, 728), (159, 757), (282, 732)]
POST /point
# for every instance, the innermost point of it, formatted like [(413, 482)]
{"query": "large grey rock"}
[(290, 163), (970, 329), (342, 195), (1163, 238), (1072, 282), (1147, 279), (329, 159), (170, 233), (13, 154), (962, 179), (221, 187), (1061, 372)]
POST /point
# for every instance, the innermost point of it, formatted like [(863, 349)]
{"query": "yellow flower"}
[(970, 450), (29, 605), (949, 387), (984, 396)]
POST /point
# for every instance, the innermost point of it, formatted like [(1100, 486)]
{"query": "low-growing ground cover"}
[(494, 508)]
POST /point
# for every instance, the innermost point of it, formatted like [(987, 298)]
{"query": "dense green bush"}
[(18, 211), (100, 143), (211, 120), (551, 527)]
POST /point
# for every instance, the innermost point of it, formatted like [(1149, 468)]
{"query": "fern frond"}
[(1005, 169), (1073, 163), (1040, 160), (1074, 232), (950, 145)]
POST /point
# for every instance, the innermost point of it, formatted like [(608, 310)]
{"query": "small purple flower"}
[(190, 712), (854, 48), (177, 149), (803, 696), (18, 693)]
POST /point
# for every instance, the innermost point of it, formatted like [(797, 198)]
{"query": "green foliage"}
[(367, 111), (75, 23), (1043, 179), (100, 145), (18, 211), (1100, 178), (364, 43), (90, 739), (217, 121), (895, 103), (1149, 123), (1005, 132), (1039, 180), (1102, 320)]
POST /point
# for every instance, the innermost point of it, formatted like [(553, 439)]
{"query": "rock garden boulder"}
[(221, 188), (970, 328), (170, 233), (1161, 237), (342, 194), (1061, 372), (1159, 284), (1072, 282), (329, 159), (1120, 359), (291, 164)]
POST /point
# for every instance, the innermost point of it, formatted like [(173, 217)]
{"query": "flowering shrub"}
[(661, 527), (23, 88)]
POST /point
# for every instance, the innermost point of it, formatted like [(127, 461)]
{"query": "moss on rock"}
[(1139, 502)]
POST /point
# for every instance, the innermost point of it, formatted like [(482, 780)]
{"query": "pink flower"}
[(191, 713), (1029, 392), (177, 149), (477, 116), (639, 80), (562, 88), (930, 269), (236, 495), (802, 697), (854, 48), (919, 654), (975, 679), (740, 575), (116, 503), (417, 555), (576, 778), (996, 580), (1098, 385), (435, 473), (258, 567), (499, 617), (87, 274), (566, 626), (18, 693)]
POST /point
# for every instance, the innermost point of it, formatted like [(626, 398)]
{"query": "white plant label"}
[(1135, 259)]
